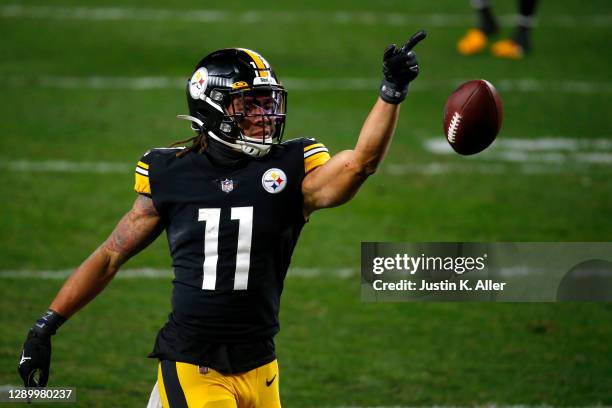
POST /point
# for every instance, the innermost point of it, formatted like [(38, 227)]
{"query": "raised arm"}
[(337, 181), (137, 229)]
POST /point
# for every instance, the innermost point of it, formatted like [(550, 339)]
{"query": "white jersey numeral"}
[(243, 257), (211, 241), (212, 217)]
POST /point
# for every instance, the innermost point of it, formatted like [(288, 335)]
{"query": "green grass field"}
[(68, 101)]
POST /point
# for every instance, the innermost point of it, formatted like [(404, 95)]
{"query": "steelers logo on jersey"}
[(197, 84), (274, 181)]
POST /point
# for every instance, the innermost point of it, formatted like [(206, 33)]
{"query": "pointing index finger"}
[(414, 40)]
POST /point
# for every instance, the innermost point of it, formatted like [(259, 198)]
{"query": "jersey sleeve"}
[(315, 155), (141, 175)]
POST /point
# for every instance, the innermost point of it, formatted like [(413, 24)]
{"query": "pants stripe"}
[(175, 394)]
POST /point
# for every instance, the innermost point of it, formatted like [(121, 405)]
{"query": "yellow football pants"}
[(183, 385)]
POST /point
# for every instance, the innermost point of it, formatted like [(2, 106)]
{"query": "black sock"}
[(487, 22), (527, 7), (522, 34)]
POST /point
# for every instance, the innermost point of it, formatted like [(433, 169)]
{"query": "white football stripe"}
[(315, 151), (142, 171), (453, 127), (518, 85), (340, 17)]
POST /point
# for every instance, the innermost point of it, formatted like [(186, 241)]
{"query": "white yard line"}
[(552, 144), (544, 155), (167, 274), (515, 164), (521, 85), (539, 144), (602, 21), (6, 387), (65, 166), (488, 405), (489, 169), (154, 273), (539, 151)]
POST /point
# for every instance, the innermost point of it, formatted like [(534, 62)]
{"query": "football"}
[(472, 117)]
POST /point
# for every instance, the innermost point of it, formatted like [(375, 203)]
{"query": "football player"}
[(232, 203)]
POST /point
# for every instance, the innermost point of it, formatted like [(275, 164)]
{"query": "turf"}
[(333, 349)]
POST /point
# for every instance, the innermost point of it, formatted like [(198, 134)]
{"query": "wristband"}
[(48, 323), (392, 93)]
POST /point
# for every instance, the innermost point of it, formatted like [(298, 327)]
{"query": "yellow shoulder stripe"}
[(141, 184), (143, 165), (314, 161), (312, 146)]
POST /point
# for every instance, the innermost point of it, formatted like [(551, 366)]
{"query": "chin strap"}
[(250, 149), (246, 147), (221, 154)]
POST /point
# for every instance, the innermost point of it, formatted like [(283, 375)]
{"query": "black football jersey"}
[(231, 233)]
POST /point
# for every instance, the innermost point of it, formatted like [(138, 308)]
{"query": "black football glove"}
[(400, 66), (35, 360), (36, 354)]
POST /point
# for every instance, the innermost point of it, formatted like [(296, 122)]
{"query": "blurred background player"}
[(516, 47)]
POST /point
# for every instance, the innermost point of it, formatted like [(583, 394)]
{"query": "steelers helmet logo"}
[(274, 181), (197, 83)]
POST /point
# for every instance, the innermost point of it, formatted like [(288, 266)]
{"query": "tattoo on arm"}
[(136, 230), (145, 205)]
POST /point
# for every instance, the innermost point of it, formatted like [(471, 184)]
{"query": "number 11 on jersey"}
[(212, 217)]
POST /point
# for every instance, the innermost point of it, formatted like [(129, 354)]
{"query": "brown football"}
[(472, 117)]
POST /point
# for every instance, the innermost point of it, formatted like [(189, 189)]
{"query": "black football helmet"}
[(235, 98)]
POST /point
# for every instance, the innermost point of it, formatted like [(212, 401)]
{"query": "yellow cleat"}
[(473, 42), (507, 49)]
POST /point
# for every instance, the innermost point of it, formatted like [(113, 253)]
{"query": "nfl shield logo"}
[(227, 185)]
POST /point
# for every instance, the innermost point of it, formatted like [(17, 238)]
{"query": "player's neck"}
[(221, 155)]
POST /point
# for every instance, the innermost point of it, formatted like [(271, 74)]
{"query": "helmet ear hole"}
[(216, 96)]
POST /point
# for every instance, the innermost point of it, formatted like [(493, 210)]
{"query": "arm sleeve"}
[(315, 155), (141, 175)]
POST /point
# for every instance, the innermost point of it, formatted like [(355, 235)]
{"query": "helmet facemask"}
[(255, 118)]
